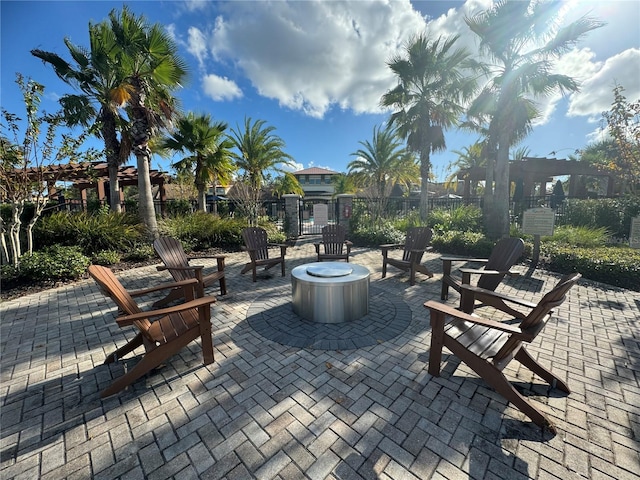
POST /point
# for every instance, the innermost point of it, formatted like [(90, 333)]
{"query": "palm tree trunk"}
[(500, 224), (146, 211), (112, 147), (202, 197), (425, 167)]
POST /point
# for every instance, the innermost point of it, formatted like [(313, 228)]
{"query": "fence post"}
[(291, 215), (345, 209)]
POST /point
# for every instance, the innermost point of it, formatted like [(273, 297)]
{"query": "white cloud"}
[(220, 88), (596, 94), (310, 56), (292, 167), (197, 45)]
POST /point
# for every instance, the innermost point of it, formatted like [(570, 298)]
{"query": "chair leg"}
[(205, 334), (437, 342), (528, 361), (446, 271), (283, 267), (412, 275), (150, 361), (124, 350), (223, 286), (384, 267)]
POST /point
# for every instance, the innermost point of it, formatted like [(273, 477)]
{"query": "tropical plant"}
[(429, 97), (96, 73), (210, 161), (623, 123), (343, 183), (468, 158), (25, 173), (519, 41), (152, 69), (285, 184), (260, 152)]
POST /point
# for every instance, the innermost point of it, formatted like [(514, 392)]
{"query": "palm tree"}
[(152, 67), (380, 164), (468, 158), (98, 76), (285, 184), (520, 42), (210, 148), (259, 153), (428, 98), (343, 183)]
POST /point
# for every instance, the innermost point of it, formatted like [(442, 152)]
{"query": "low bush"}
[(373, 236), (466, 218), (462, 243), (578, 236), (54, 263), (106, 258), (614, 265), (139, 253), (613, 214), (92, 233)]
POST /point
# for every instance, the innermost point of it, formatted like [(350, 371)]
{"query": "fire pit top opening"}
[(335, 270)]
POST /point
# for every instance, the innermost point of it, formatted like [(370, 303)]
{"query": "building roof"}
[(315, 171)]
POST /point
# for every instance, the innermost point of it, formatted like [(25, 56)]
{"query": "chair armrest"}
[(197, 303), (391, 245), (464, 259), (452, 312), (208, 257), (164, 286), (348, 243), (420, 250), (479, 271), (483, 292), (190, 267)]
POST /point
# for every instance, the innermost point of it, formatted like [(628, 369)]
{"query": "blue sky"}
[(316, 70)]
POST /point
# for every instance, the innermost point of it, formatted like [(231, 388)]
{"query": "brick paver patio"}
[(273, 408)]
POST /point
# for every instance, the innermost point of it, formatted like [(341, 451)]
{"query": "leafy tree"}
[(380, 164), (343, 183), (98, 76), (519, 42), (286, 184), (152, 70), (429, 97), (24, 172), (469, 157), (210, 148), (260, 152), (623, 123)]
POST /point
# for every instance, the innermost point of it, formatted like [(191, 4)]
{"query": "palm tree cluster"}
[(127, 78)]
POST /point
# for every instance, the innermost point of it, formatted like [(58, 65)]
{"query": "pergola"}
[(533, 171), (95, 175)]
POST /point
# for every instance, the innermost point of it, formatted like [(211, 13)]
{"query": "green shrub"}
[(139, 253), (462, 243), (578, 236), (466, 218), (54, 263), (613, 214), (176, 208), (373, 236), (614, 265), (106, 258), (203, 230), (92, 233)]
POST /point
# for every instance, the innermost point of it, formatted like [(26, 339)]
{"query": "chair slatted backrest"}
[(112, 288), (255, 239), (503, 256), (537, 318), (172, 254), (418, 238), (333, 238)]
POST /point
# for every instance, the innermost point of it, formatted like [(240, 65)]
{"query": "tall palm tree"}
[(520, 42), (380, 164), (343, 183), (210, 159), (285, 184), (429, 97), (152, 67), (260, 151), (100, 81)]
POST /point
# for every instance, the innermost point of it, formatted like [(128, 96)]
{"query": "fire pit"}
[(330, 292)]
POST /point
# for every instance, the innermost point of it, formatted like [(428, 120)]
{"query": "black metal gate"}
[(313, 218)]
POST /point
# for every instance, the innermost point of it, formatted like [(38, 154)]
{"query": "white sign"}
[(634, 235), (538, 221), (320, 214)]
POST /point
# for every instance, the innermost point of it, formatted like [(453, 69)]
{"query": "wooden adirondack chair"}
[(334, 245), (176, 261), (503, 256), (163, 332), (416, 243), (487, 346), (255, 241)]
